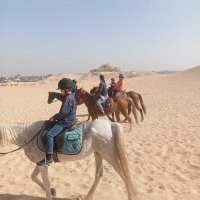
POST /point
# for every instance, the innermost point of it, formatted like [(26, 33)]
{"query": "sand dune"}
[(163, 151), (191, 74), (195, 70)]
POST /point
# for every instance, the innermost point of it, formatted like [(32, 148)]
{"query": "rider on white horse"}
[(63, 120)]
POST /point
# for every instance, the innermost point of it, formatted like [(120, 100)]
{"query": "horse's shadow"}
[(27, 197)]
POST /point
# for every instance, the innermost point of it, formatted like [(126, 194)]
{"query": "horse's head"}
[(93, 91), (80, 96), (54, 95), (51, 97)]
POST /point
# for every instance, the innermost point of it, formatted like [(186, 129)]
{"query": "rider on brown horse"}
[(102, 93), (119, 86), (111, 89)]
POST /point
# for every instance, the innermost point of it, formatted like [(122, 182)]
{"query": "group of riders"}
[(66, 116), (103, 92)]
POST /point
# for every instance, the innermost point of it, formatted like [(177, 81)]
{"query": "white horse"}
[(101, 137)]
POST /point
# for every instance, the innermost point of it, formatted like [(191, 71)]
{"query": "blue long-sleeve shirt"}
[(103, 91), (67, 113)]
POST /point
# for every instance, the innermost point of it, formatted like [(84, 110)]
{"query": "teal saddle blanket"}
[(68, 142)]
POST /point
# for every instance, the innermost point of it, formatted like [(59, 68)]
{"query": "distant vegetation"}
[(166, 72), (19, 78)]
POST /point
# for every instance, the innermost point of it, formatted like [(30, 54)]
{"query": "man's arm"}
[(65, 110), (100, 88)]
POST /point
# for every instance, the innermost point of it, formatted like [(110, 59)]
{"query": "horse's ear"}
[(82, 91)]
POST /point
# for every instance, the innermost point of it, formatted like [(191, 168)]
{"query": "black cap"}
[(65, 83)]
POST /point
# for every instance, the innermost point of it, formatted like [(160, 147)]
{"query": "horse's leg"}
[(118, 160), (88, 117), (98, 175), (117, 115), (124, 112), (112, 157), (89, 114), (45, 178), (110, 118), (35, 179), (141, 113), (134, 112), (136, 103), (116, 165), (113, 116)]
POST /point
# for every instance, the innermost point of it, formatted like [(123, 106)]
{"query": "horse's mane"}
[(85, 91), (10, 133)]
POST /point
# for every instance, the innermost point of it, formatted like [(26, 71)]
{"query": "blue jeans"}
[(53, 132), (100, 101)]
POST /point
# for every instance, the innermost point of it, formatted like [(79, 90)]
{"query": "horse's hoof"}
[(80, 197), (53, 192), (130, 129)]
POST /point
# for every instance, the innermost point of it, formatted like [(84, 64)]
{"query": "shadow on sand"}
[(27, 197)]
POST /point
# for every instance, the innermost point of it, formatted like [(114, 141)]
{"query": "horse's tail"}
[(142, 104), (119, 145)]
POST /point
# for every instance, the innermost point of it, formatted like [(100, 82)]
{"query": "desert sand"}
[(163, 151)]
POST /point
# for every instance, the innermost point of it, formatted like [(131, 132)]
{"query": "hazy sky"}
[(55, 36)]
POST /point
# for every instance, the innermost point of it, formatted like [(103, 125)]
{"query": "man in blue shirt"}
[(63, 120), (102, 93)]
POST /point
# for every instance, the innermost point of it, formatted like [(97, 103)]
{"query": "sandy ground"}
[(163, 151)]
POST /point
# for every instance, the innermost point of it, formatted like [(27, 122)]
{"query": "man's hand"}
[(51, 119)]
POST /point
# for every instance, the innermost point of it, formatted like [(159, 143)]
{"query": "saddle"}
[(108, 103), (121, 94), (68, 142)]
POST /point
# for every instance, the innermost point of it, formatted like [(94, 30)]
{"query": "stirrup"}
[(45, 162)]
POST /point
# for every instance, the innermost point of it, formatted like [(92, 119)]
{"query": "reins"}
[(5, 153)]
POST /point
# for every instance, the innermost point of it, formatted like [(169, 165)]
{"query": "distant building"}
[(106, 68)]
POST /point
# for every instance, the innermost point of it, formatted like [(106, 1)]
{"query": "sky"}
[(63, 36)]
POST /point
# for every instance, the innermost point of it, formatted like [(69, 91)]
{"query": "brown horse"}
[(122, 105), (94, 92), (136, 97)]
